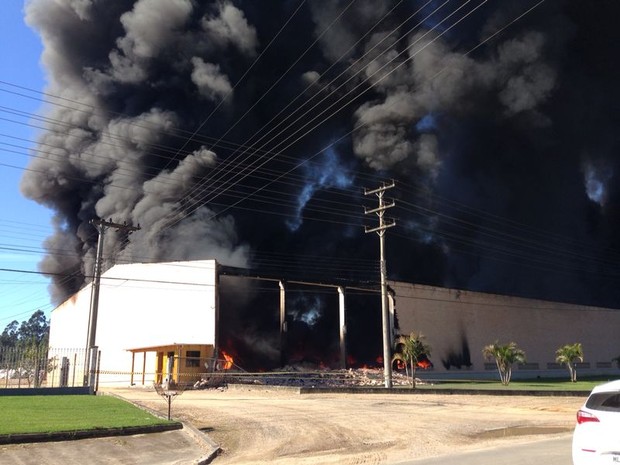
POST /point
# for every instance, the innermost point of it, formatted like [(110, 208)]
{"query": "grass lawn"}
[(49, 414), (542, 384)]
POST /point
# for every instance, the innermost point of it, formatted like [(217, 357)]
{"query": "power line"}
[(267, 200), (278, 147)]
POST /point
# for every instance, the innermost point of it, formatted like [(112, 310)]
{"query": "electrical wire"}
[(491, 231)]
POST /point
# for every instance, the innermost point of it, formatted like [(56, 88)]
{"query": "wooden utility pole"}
[(101, 226), (385, 319)]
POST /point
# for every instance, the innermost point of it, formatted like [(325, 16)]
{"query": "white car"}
[(596, 439)]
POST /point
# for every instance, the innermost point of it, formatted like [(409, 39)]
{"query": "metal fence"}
[(41, 367)]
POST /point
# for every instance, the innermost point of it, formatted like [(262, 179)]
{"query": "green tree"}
[(568, 355), (25, 345), (34, 331), (9, 336), (33, 341), (411, 350), (505, 356)]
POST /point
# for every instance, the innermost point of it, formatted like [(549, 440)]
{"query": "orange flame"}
[(228, 361), (425, 363)]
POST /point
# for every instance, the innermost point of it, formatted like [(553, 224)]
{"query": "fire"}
[(425, 363), (228, 361)]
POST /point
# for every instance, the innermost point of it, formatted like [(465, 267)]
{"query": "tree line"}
[(23, 350), (31, 333)]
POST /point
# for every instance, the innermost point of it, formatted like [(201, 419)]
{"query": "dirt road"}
[(280, 427)]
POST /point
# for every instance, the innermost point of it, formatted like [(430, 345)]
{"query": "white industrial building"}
[(141, 306), (148, 312)]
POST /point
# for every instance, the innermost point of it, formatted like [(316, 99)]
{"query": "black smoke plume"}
[(496, 119)]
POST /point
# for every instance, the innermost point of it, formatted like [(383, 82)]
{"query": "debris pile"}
[(302, 376)]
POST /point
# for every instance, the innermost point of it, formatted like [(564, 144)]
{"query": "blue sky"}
[(24, 225)]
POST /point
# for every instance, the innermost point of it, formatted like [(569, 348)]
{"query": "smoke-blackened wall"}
[(459, 324), (496, 119)]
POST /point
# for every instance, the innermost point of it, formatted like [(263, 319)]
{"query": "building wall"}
[(141, 305), (455, 321)]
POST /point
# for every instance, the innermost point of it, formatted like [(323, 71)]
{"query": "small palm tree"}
[(505, 356), (411, 350), (568, 355)]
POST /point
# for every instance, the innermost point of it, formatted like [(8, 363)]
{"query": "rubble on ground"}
[(304, 376)]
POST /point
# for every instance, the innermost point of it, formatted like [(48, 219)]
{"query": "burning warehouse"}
[(166, 321)]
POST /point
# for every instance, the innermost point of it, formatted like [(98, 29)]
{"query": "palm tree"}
[(567, 355), (505, 356), (411, 350)]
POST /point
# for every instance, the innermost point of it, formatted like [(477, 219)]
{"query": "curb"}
[(198, 436), (86, 434), (206, 441), (405, 391), (469, 392)]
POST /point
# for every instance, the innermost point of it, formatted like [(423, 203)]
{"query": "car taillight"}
[(585, 417)]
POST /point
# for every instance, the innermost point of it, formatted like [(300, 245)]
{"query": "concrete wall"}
[(455, 321), (141, 305)]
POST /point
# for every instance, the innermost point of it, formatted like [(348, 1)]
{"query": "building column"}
[(392, 311), (283, 325), (143, 366), (133, 363), (343, 327), (216, 311)]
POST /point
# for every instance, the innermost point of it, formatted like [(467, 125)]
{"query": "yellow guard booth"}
[(175, 364)]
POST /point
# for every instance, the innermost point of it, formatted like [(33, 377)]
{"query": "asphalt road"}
[(555, 451)]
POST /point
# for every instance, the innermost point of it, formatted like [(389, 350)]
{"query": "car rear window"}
[(606, 401)]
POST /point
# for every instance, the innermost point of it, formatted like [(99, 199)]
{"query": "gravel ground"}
[(255, 425)]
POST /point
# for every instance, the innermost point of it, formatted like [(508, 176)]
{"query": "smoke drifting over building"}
[(227, 129)]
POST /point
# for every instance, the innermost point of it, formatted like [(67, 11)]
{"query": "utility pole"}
[(385, 319), (101, 226)]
